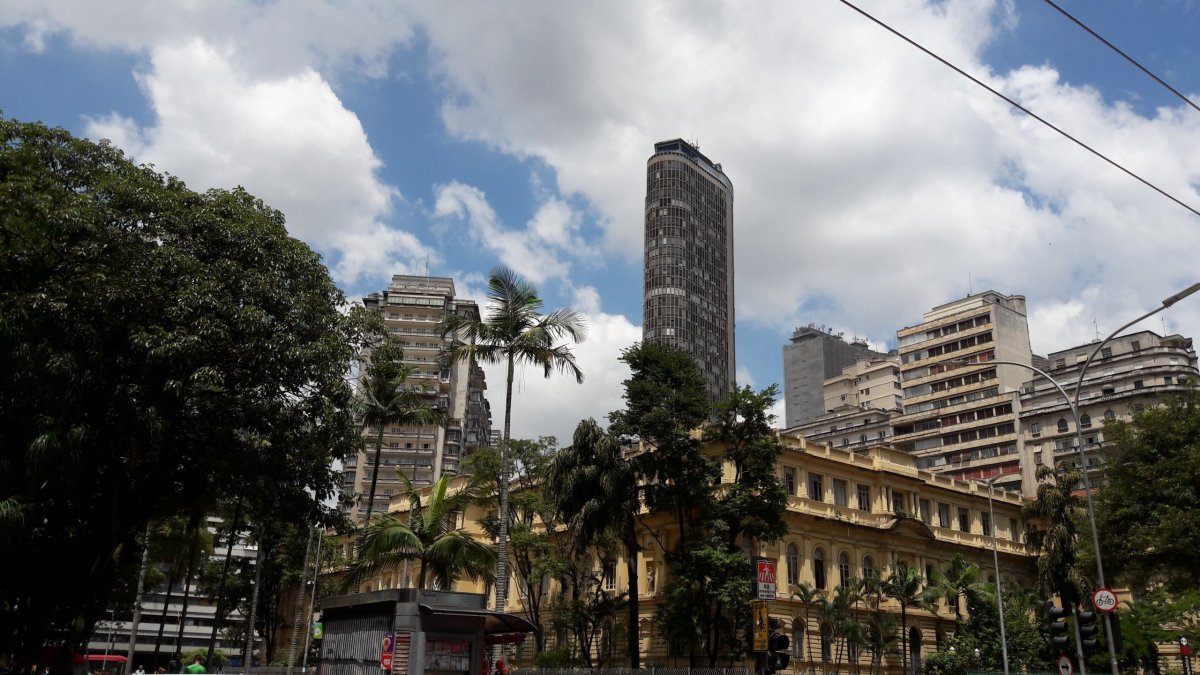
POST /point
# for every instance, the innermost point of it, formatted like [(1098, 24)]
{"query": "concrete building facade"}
[(814, 356), (688, 272), (1131, 372), (961, 411), (412, 307)]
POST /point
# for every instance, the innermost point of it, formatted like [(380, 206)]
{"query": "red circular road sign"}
[(1064, 665), (1104, 600)]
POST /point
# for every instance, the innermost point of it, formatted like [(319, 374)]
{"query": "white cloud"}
[(536, 252), (288, 140)]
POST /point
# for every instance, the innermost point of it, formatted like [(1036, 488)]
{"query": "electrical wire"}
[(1020, 107), (1127, 57)]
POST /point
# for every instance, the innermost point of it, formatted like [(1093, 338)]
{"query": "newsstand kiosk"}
[(413, 632)]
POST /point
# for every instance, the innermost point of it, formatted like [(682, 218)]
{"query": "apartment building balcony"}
[(930, 343)]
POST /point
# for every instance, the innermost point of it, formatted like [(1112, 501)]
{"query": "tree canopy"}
[(1147, 513), (161, 349)]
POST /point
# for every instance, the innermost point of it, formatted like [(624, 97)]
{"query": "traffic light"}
[(1086, 621), (777, 645), (1056, 617)]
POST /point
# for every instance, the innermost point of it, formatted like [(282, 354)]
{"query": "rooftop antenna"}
[(1164, 323), (1096, 327), (970, 286), (426, 266)]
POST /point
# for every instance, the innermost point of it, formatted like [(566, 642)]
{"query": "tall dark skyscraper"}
[(688, 286)]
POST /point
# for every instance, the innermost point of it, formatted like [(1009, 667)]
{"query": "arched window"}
[(1062, 425), (793, 564), (843, 569), (1085, 422), (1110, 415), (819, 568), (827, 643), (868, 567)]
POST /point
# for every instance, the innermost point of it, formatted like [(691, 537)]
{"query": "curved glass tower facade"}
[(688, 282)]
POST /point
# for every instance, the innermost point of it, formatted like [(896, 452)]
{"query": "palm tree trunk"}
[(162, 617), (812, 662), (374, 475), (631, 571), (904, 638), (218, 616), (291, 660), (137, 602), (187, 591), (260, 558), (502, 552)]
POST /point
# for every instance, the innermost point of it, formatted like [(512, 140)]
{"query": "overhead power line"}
[(1020, 107), (1127, 57)]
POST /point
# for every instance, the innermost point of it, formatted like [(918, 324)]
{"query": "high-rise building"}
[(1130, 373), (860, 403), (411, 307), (688, 284), (814, 356), (960, 411)]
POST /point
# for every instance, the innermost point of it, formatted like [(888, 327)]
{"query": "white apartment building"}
[(860, 403), (1130, 373), (960, 411), (412, 307)]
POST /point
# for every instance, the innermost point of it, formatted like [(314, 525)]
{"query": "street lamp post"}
[(1073, 403), (991, 483)]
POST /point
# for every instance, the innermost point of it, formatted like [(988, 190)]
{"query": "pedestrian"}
[(501, 667), (175, 665), (140, 671), (196, 667)]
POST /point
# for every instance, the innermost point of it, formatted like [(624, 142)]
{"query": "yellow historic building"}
[(849, 515)]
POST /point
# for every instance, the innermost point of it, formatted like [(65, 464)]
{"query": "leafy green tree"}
[(906, 586), (1056, 515), (385, 397), (1148, 509), (534, 521), (594, 490), (162, 349), (512, 332), (1028, 646), (430, 537), (708, 601)]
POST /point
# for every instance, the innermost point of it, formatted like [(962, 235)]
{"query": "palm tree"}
[(1057, 507), (427, 534), (904, 585), (513, 332), (881, 633), (385, 398), (805, 593), (960, 581), (594, 489)]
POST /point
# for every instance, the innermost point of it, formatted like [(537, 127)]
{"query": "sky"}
[(872, 183)]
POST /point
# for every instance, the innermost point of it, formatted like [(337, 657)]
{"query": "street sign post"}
[(1064, 665), (761, 620), (1185, 654), (1104, 600), (385, 654), (765, 578)]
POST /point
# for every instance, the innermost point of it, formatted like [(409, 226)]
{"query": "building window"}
[(964, 520), (1062, 425), (819, 568), (1014, 530), (827, 643), (798, 639), (868, 567), (1035, 429), (1135, 346), (1138, 384), (881, 436), (898, 503), (1110, 415), (1167, 379), (926, 511), (792, 560), (839, 492), (1085, 422), (789, 480), (845, 442), (1060, 363), (864, 497), (816, 489), (1106, 353), (843, 570), (943, 515), (610, 575), (862, 438), (986, 521)]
